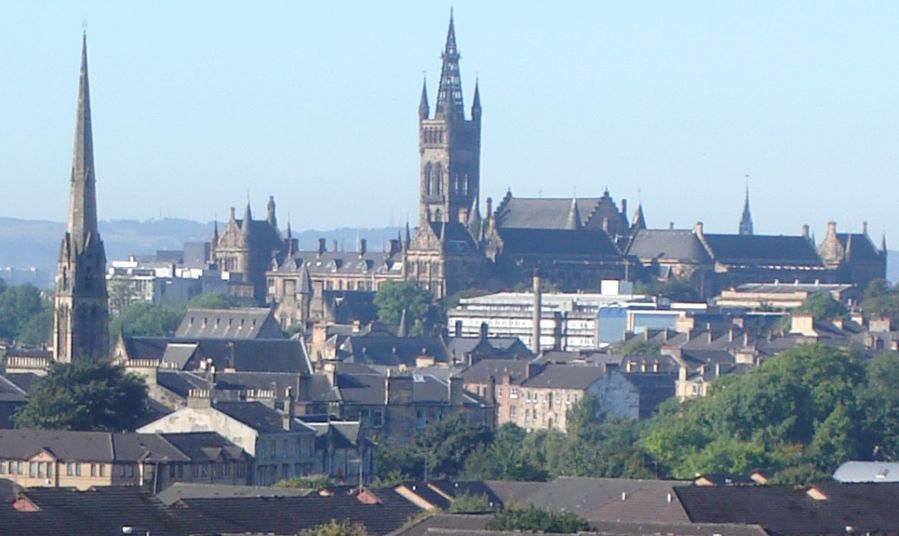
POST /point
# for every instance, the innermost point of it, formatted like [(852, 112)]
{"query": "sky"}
[(198, 106)]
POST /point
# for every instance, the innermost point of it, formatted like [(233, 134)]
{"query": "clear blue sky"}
[(195, 103)]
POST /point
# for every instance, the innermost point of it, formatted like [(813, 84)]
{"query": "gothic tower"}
[(449, 145), (746, 219), (80, 306)]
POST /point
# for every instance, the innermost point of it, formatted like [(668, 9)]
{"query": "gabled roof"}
[(489, 347), (548, 213), (767, 250), (256, 415), (668, 245), (581, 242), (192, 490), (455, 237), (249, 355), (481, 371), (379, 348), (235, 323), (565, 377), (348, 262), (863, 249)]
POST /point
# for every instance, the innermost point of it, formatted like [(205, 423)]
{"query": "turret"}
[(476, 104), (270, 215), (424, 111)]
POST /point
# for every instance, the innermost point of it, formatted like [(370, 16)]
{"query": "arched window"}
[(428, 178), (438, 179)]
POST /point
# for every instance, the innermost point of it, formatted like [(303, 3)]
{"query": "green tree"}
[(24, 315), (393, 297), (336, 528), (146, 319), (88, 394), (882, 299), (639, 346), (397, 463), (879, 406), (466, 503), (306, 482), (212, 300), (505, 458), (822, 306), (533, 519), (447, 443)]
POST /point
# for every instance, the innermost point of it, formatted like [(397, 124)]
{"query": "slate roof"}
[(668, 245), (862, 247), (369, 388), (582, 242), (257, 416), (565, 377), (234, 323), (379, 348), (455, 236), (628, 528), (117, 447), (347, 262), (598, 499), (192, 490), (503, 347), (856, 471), (97, 511), (788, 510), (290, 515), (464, 523), (250, 355), (767, 250), (481, 371), (552, 213)]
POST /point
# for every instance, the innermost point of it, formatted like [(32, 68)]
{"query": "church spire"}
[(82, 219), (424, 110), (247, 220), (639, 221), (746, 219), (476, 103), (449, 94)]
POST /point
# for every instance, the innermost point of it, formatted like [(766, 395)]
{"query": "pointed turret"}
[(476, 103), (424, 110), (449, 94), (82, 220), (215, 232), (574, 217), (474, 219), (247, 220), (848, 253), (746, 219), (639, 221), (883, 243), (407, 240), (290, 248), (270, 212)]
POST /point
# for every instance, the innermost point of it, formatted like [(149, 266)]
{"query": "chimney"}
[(864, 228), (199, 398), (334, 245), (289, 408), (624, 207), (362, 247), (805, 231), (331, 372), (698, 229), (538, 313), (831, 229), (398, 388), (491, 391), (670, 225), (484, 330), (321, 246), (456, 396)]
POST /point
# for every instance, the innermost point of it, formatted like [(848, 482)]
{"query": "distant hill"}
[(35, 243)]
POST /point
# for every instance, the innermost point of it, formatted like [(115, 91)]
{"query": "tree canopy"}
[(807, 410), (212, 300), (531, 518), (147, 319), (87, 394), (674, 289), (882, 299), (25, 315), (392, 297), (822, 306)]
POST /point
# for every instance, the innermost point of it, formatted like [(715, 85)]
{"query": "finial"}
[(639, 193), (84, 24)]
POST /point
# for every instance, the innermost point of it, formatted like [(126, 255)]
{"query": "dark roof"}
[(289, 515), (788, 510), (455, 236), (488, 347), (654, 388), (379, 348), (552, 213), (255, 415), (582, 242), (192, 490), (481, 371), (235, 323), (668, 244), (633, 528), (565, 377), (349, 262), (465, 523), (100, 510), (598, 499), (862, 247), (249, 355), (763, 249)]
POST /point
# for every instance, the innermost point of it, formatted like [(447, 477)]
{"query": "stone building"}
[(80, 309)]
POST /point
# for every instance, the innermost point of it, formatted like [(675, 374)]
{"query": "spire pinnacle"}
[(424, 110), (82, 219), (449, 93), (247, 219), (476, 102), (574, 217), (746, 218)]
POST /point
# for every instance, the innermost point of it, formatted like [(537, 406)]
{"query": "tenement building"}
[(80, 309)]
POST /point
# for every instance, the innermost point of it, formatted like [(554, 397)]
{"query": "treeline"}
[(26, 316), (798, 415)]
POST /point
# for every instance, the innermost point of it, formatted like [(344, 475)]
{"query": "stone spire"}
[(82, 220), (247, 220), (407, 239), (81, 307), (574, 217), (424, 110), (883, 243), (270, 212), (746, 219), (449, 94), (476, 103), (474, 220), (639, 221)]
